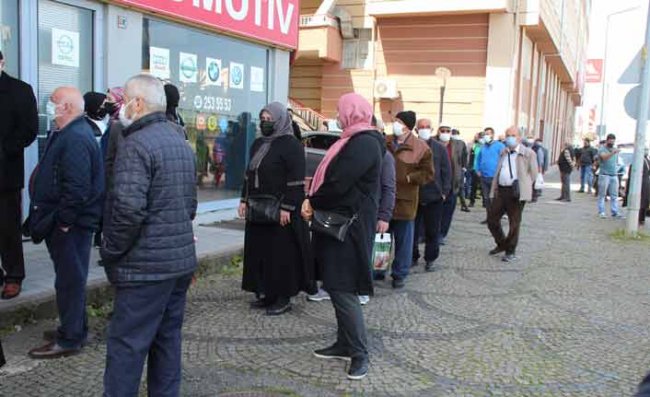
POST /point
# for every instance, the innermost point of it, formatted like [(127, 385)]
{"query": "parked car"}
[(316, 144)]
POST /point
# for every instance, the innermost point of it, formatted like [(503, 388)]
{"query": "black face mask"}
[(267, 127), (610, 145), (101, 113), (110, 108)]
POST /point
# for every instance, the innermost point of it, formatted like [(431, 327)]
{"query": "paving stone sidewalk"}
[(569, 318)]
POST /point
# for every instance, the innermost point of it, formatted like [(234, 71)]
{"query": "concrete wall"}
[(123, 46)]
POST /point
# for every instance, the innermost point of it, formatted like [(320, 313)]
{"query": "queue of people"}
[(137, 186)]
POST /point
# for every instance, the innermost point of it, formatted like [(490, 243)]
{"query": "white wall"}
[(625, 39)]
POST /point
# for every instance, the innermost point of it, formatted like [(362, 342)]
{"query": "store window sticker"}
[(236, 75), (213, 71), (65, 48), (257, 79), (188, 68), (159, 63)]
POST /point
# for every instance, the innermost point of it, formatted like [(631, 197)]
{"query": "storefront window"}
[(223, 86), (65, 53), (9, 35)]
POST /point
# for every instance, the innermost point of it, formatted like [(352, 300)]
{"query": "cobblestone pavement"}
[(569, 318)]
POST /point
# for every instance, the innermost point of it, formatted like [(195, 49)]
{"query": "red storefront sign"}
[(271, 21), (594, 70)]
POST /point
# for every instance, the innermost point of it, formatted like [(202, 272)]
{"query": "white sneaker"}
[(321, 295), (364, 299), (602, 215)]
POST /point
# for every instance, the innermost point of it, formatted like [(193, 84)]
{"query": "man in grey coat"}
[(148, 249)]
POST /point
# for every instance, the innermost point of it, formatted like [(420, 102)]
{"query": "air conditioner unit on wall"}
[(386, 89)]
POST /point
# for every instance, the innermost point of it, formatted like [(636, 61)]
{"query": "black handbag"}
[(332, 224), (263, 209)]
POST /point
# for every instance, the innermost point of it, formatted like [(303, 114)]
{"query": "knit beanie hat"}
[(408, 118)]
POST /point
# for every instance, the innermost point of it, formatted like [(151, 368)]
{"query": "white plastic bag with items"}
[(381, 252), (539, 182)]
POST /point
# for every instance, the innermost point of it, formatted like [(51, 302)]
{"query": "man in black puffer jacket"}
[(148, 249), (68, 189)]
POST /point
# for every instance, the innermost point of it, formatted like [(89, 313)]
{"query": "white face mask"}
[(425, 133), (126, 122), (488, 139), (398, 128), (456, 137), (445, 137), (50, 109)]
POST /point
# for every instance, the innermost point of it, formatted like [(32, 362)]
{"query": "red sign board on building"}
[(271, 21), (594, 70)]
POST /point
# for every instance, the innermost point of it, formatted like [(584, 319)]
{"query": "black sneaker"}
[(379, 277), (485, 222), (358, 368), (281, 306), (429, 267), (496, 251), (333, 352), (509, 258), (465, 209), (398, 283)]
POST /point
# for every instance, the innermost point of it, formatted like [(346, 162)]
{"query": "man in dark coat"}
[(68, 189), (148, 250), (432, 197), (456, 152), (566, 163), (18, 127)]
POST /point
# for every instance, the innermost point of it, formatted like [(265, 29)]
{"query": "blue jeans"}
[(403, 234), (467, 186), (486, 186), (586, 176), (608, 184), (448, 208), (146, 323), (70, 253)]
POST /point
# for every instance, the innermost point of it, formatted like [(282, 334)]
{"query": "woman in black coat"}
[(347, 183), (277, 257)]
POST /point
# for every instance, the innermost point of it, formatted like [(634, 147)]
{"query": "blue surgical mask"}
[(511, 141)]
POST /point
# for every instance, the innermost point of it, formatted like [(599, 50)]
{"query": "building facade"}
[(471, 63), (228, 58)]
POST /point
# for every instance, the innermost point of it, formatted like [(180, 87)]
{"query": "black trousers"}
[(428, 222), (565, 177), (11, 244), (351, 334), (505, 203), (3, 361), (476, 184)]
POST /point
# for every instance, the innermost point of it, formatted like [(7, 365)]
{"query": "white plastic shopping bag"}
[(539, 182), (381, 252)]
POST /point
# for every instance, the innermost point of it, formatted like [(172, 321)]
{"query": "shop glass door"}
[(65, 53)]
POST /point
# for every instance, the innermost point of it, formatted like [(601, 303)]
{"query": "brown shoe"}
[(11, 290), (52, 350)]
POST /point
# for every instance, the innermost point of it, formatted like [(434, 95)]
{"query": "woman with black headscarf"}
[(277, 259), (173, 99)]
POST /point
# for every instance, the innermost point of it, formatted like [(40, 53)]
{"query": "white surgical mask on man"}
[(456, 137), (50, 109), (126, 122), (488, 139), (425, 133), (398, 128), (445, 137)]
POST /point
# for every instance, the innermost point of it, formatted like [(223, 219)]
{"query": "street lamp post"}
[(442, 73), (602, 129), (636, 178)]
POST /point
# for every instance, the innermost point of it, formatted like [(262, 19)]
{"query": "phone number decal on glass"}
[(212, 103)]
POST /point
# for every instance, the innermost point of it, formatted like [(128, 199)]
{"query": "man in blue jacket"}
[(148, 249), (432, 197), (486, 162), (65, 210)]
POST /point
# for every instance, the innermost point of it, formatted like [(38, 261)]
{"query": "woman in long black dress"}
[(277, 257), (347, 183)]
